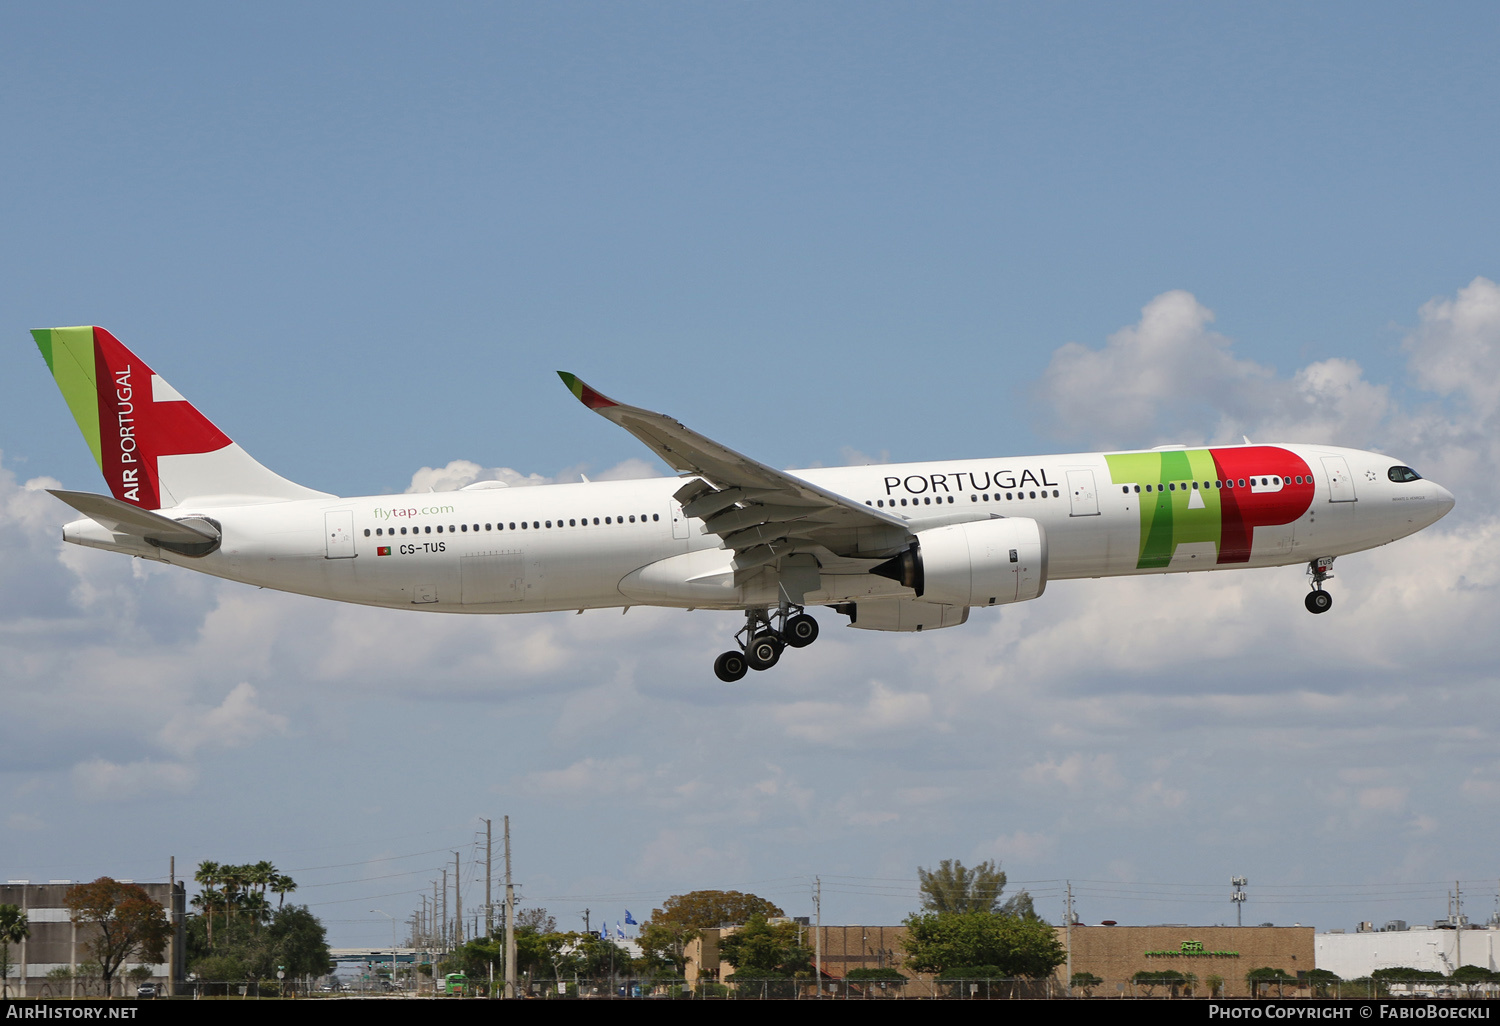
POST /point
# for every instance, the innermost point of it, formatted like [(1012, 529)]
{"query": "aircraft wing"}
[(124, 518), (761, 513)]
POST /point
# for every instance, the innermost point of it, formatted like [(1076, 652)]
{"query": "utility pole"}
[(1238, 897), (818, 932), (1070, 937), (586, 921), (445, 910), (489, 874), (510, 921), (171, 942), (1458, 926), (458, 907)]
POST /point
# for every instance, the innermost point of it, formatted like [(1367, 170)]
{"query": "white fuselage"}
[(622, 543)]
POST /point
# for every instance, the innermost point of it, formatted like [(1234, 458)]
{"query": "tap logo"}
[(1212, 495)]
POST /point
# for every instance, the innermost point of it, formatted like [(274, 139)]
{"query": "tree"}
[(768, 955), (941, 941), (292, 939), (952, 888), (1261, 979), (665, 943), (208, 897), (13, 930), (706, 910), (1471, 976), (1085, 982), (127, 920), (538, 920), (1323, 981), (1150, 979), (760, 950)]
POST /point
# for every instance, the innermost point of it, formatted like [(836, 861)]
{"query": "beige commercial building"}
[(1218, 956), (1116, 954), (57, 944)]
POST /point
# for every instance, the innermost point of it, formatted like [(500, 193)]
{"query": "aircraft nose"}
[(1441, 501)]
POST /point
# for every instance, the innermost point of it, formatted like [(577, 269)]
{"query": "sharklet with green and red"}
[(584, 394)]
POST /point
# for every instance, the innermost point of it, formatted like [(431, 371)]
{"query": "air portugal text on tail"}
[(904, 547)]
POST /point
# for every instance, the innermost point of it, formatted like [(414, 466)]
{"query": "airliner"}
[(893, 547)]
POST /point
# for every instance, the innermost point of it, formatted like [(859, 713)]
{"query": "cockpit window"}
[(1401, 475)]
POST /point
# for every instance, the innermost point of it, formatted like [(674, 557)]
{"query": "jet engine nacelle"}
[(988, 563)]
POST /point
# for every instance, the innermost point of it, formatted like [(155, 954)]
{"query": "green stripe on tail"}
[(69, 353)]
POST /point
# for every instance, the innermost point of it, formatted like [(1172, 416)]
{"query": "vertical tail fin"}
[(153, 446)]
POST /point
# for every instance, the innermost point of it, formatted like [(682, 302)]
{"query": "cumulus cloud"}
[(235, 722), (1169, 358), (100, 780), (462, 473), (1455, 348), (1178, 707)]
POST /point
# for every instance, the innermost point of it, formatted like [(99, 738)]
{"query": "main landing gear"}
[(763, 638), (1318, 600)]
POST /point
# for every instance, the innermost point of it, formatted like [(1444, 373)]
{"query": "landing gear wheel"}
[(731, 666), (801, 631), (1319, 602), (763, 651)]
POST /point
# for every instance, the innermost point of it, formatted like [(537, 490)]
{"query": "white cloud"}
[(235, 722), (1022, 846), (1139, 702), (1455, 348), (101, 780), (588, 778), (462, 473)]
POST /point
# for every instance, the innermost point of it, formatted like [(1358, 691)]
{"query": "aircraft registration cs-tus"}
[(902, 547)]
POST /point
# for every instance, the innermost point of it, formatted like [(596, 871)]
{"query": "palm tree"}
[(13, 930), (234, 879), (282, 885), (208, 876)]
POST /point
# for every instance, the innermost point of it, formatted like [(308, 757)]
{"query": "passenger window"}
[(655, 517), (367, 532), (596, 521)]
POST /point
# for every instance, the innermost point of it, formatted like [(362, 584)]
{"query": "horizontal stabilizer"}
[(123, 518)]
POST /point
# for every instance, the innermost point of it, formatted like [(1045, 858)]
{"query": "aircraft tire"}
[(730, 667), (1318, 602), (765, 649), (801, 631)]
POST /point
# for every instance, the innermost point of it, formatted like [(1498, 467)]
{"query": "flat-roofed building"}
[(56, 943)]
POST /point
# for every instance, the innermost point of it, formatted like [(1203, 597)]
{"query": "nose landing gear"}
[(1320, 570), (761, 641)]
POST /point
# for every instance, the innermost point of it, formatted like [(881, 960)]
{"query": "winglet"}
[(584, 394)]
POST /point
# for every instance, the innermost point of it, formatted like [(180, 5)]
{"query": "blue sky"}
[(363, 237)]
